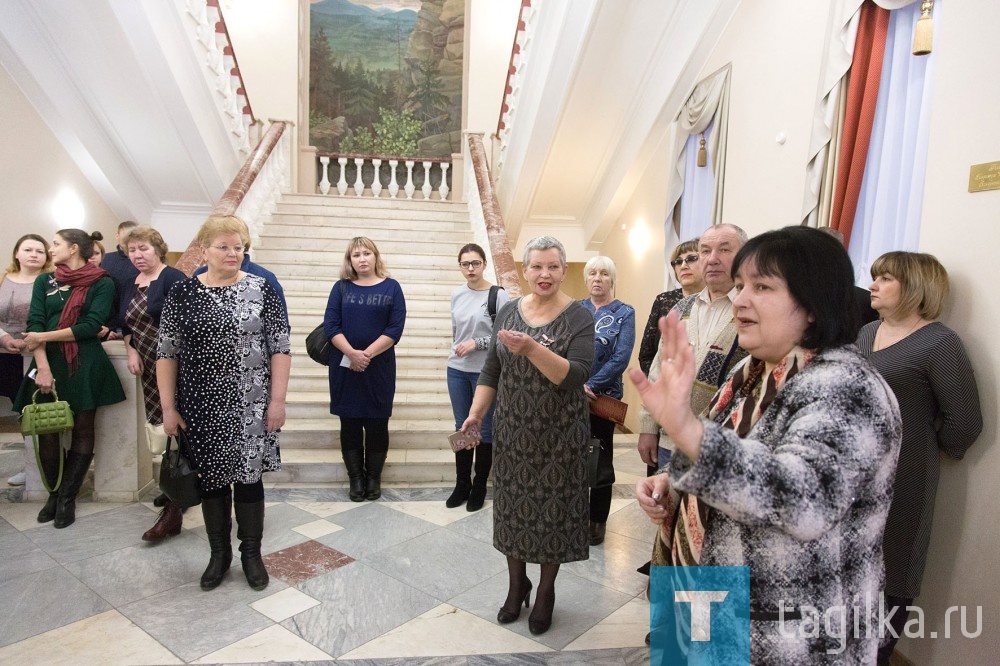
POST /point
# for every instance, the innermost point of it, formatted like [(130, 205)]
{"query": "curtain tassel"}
[(702, 153), (923, 35)]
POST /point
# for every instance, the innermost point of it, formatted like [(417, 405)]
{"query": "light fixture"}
[(68, 210)]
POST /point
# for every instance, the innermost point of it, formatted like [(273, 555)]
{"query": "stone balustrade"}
[(385, 177)]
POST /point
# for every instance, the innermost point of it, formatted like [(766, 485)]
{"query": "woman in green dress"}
[(68, 308)]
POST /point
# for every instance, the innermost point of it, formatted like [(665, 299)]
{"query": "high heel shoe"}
[(541, 624), (505, 616)]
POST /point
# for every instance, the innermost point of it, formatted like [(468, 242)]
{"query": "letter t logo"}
[(701, 610)]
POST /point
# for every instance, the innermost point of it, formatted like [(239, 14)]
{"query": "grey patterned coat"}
[(803, 501)]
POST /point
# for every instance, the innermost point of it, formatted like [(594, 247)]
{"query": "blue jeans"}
[(461, 389), (662, 457)]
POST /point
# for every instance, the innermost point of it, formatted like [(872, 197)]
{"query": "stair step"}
[(283, 229), (313, 202)]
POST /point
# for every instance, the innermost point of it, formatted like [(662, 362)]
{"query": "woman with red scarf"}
[(68, 308)]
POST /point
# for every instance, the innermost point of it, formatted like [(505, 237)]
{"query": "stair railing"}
[(394, 175), (485, 212), (254, 191)]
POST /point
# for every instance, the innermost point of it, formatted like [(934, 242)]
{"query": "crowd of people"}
[(779, 429)]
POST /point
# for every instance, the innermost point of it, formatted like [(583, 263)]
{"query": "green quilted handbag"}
[(44, 418)]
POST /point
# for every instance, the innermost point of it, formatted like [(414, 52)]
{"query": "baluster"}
[(426, 189), (393, 185), (444, 189), (359, 185), (324, 183), (409, 187), (377, 180), (342, 183)]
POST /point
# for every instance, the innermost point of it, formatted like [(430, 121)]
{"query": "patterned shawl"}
[(80, 279)]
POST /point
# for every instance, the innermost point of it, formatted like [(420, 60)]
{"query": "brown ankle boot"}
[(168, 523)]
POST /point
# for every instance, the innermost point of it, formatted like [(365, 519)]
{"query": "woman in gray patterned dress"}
[(222, 370), (540, 356)]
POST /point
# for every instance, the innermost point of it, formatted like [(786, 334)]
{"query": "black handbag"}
[(318, 346), (178, 480), (598, 475)]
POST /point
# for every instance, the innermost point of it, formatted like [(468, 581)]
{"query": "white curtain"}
[(698, 198), (892, 190)]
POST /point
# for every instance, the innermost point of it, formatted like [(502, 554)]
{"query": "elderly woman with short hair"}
[(927, 368), (538, 361), (614, 338), (141, 307), (791, 471), (222, 371)]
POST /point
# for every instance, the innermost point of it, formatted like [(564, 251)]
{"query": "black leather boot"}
[(484, 462), (374, 461), (217, 512), (49, 452), (76, 469), (354, 461), (463, 478), (48, 512), (250, 531)]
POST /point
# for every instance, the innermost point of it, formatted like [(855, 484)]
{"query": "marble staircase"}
[(304, 244)]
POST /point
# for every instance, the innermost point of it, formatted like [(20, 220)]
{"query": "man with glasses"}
[(711, 328)]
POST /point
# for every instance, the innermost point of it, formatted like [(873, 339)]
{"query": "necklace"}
[(883, 343)]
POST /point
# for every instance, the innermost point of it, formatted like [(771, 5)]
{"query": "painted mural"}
[(385, 76)]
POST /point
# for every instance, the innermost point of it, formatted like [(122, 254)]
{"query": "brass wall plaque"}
[(984, 177)]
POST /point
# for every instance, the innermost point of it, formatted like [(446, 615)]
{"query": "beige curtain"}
[(708, 101)]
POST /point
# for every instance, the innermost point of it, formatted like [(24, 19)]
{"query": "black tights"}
[(242, 492), (361, 434), (81, 443), (600, 498)]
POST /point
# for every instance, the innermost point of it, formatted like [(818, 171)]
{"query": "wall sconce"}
[(638, 239), (68, 210)]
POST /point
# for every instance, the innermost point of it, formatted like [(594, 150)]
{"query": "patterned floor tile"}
[(445, 631), (317, 528), (86, 642), (304, 561), (42, 601), (284, 604), (273, 644), (393, 527), (433, 512)]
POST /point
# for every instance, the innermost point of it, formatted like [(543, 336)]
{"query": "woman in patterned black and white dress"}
[(222, 371), (925, 364)]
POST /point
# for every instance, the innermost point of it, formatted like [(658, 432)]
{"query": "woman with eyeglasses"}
[(472, 315), (684, 261), (222, 372)]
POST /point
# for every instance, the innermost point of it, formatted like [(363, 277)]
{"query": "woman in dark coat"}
[(68, 309)]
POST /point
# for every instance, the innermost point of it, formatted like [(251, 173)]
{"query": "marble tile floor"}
[(403, 580)]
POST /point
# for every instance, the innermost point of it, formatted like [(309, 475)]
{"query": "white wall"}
[(775, 47), (960, 228), (490, 26), (34, 172)]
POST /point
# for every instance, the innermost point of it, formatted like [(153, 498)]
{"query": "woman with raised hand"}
[(142, 305), (222, 372), (364, 320), (68, 309), (535, 370), (927, 368), (791, 471)]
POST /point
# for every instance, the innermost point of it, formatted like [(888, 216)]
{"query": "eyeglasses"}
[(690, 259), (225, 249), (470, 264)]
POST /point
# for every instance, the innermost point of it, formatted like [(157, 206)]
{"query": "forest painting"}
[(385, 77)]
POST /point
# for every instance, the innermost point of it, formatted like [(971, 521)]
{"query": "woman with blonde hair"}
[(29, 258), (925, 364), (364, 321), (222, 372), (141, 307)]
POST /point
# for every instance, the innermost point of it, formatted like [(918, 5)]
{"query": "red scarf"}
[(80, 281)]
